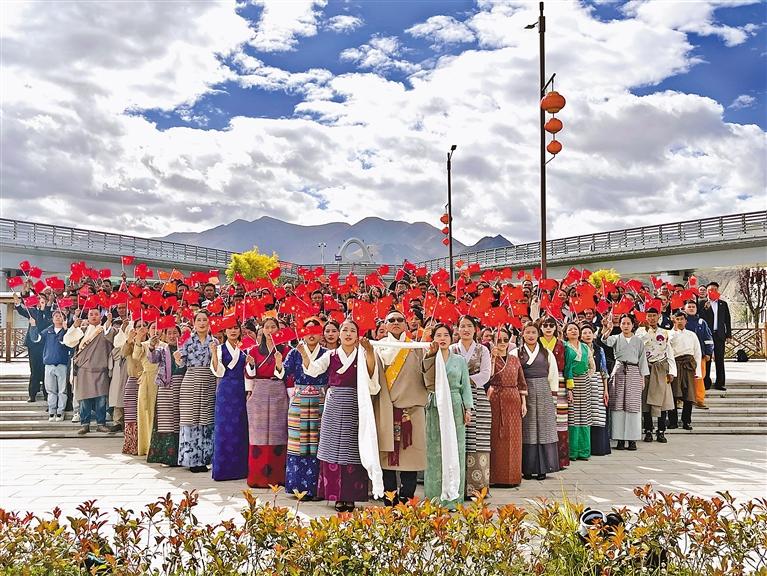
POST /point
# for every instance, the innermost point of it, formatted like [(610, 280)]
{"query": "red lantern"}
[(554, 147), (553, 126), (553, 102), (444, 219), (446, 241), (446, 230)]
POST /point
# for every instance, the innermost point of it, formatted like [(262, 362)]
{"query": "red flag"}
[(374, 280), (275, 273), (548, 284), (15, 282), (623, 307), (105, 273), (302, 330), (283, 335), (184, 337), (66, 302), (166, 322), (364, 314), (521, 274), (677, 301), (409, 266), (495, 317), (383, 270), (190, 297), (25, 266), (31, 301), (55, 283), (634, 285), (519, 309), (127, 260), (603, 306), (537, 273), (656, 282), (39, 286), (459, 264), (489, 276), (35, 272), (640, 316), (383, 305), (473, 268), (714, 295)]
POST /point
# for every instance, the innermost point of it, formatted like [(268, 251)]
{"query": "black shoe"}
[(661, 437), (340, 506), (391, 503), (541, 477), (197, 469), (648, 436), (527, 476), (632, 445), (621, 445), (672, 426), (721, 388), (687, 426), (31, 399)]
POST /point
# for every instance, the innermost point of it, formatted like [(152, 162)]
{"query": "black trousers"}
[(718, 360), (647, 422), (407, 479), (36, 370), (673, 415)]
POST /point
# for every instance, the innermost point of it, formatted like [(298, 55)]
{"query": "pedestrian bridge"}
[(708, 243)]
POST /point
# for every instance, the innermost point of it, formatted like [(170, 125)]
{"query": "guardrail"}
[(32, 234), (734, 227)]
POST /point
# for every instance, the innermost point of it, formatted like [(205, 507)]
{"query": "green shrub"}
[(671, 534)]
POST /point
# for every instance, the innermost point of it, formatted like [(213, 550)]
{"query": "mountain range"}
[(391, 241)]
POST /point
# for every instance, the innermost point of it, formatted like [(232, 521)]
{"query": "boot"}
[(103, 428), (661, 437), (648, 436), (621, 445), (84, 430), (632, 445)]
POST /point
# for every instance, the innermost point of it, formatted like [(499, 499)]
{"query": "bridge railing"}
[(32, 234), (718, 228)]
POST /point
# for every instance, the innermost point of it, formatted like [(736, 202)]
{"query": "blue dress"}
[(304, 414), (230, 436)]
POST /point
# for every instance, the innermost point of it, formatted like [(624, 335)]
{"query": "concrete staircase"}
[(742, 409), (20, 419)]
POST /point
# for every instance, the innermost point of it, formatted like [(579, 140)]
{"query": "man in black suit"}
[(716, 313)]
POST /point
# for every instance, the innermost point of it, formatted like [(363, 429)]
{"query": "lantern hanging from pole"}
[(553, 126), (444, 219), (446, 241), (446, 230), (554, 147), (553, 102)]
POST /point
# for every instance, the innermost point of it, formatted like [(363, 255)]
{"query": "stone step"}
[(41, 425), (701, 429), (736, 401), (744, 409), (734, 421), (738, 392), (6, 395), (21, 404)]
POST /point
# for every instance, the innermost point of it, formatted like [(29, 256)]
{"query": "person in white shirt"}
[(687, 357)]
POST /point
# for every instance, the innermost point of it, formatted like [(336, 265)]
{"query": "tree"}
[(252, 264), (611, 275), (752, 285)]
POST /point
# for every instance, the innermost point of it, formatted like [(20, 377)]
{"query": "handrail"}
[(730, 227)]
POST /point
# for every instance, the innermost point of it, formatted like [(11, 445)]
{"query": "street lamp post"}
[(322, 247), (450, 211)]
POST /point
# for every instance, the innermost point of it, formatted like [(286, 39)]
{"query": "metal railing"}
[(34, 235), (735, 227), (704, 231)]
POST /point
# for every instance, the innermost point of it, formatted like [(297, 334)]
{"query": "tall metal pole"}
[(541, 36), (450, 212)]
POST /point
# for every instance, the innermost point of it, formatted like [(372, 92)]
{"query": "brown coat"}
[(92, 365), (408, 393)]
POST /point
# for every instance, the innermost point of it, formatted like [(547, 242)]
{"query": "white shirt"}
[(685, 342), (715, 308)]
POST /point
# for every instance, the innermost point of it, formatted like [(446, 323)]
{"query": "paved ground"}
[(37, 475)]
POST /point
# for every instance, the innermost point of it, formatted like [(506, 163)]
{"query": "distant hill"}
[(490, 242), (392, 241)]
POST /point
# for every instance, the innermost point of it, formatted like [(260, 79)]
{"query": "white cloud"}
[(361, 145), (343, 23), (697, 16), (442, 30), (381, 54), (742, 101), (283, 22)]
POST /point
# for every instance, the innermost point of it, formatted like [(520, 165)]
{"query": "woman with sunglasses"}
[(553, 344), (540, 453), (508, 401)]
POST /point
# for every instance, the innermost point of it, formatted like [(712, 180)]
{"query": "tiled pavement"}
[(37, 475)]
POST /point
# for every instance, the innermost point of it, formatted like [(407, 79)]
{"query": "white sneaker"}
[(60, 418), (76, 417), (51, 418)]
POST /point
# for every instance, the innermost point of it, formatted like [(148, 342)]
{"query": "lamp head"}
[(453, 147)]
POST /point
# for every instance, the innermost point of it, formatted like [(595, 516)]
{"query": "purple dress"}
[(230, 436), (342, 476)]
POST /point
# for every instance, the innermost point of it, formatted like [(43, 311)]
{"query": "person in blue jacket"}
[(56, 360), (698, 325)]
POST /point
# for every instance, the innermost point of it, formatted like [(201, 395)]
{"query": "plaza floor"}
[(37, 475)]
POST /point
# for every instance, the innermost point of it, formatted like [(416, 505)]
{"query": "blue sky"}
[(724, 72), (159, 117)]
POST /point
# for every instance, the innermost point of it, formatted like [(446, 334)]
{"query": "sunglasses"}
[(503, 340), (392, 320), (549, 325)]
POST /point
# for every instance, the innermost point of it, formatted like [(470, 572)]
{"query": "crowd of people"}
[(331, 385)]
